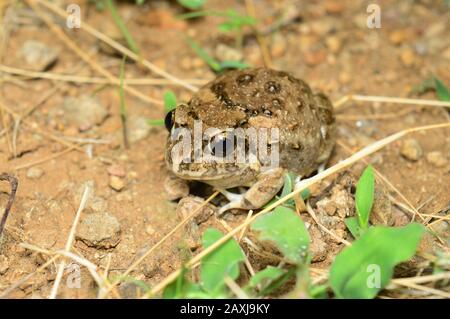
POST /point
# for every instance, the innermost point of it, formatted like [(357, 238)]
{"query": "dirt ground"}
[(328, 45)]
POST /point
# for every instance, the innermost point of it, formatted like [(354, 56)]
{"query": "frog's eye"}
[(223, 147), (169, 120)]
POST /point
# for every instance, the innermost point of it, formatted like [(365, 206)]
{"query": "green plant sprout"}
[(123, 108), (234, 22), (364, 268), (217, 66), (359, 271), (121, 25), (192, 4), (170, 103), (435, 84), (364, 201)]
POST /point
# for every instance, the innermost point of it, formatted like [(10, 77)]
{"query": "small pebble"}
[(315, 58), (411, 150), (279, 46), (334, 6), (84, 111), (99, 230), (4, 264), (437, 159), (116, 170), (175, 187), (35, 173), (224, 52), (333, 43), (138, 128), (407, 57), (116, 183), (397, 37), (38, 56)]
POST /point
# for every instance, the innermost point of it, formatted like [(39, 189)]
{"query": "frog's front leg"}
[(266, 187)]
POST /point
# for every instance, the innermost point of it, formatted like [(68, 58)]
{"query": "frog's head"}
[(221, 156)]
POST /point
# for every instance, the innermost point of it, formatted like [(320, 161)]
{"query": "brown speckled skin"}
[(260, 98)]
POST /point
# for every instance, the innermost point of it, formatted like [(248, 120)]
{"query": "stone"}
[(313, 58), (411, 150), (437, 159), (175, 187), (407, 57), (4, 265), (116, 170), (381, 213), (399, 36), (35, 172), (38, 56), (189, 204), (224, 52), (116, 183), (318, 247), (333, 43), (278, 46), (138, 128), (84, 111), (99, 230)]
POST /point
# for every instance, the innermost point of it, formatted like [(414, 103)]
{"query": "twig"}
[(94, 80), (69, 242), (116, 45), (332, 234), (388, 99), (14, 183), (234, 287), (251, 11)]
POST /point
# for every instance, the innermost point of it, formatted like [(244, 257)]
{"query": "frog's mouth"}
[(210, 171)]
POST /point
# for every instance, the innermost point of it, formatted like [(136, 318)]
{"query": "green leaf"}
[(286, 230), (181, 288), (265, 277), (175, 289), (170, 101), (223, 261), (233, 65), (364, 196), (141, 284), (364, 268), (157, 122), (192, 4), (213, 63), (121, 25), (441, 90), (353, 226)]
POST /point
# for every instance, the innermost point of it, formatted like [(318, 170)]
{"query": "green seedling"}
[(170, 103), (221, 263), (121, 25), (217, 66), (123, 108), (192, 4), (234, 22), (434, 84), (364, 201), (364, 268)]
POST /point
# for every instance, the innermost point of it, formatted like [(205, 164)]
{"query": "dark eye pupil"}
[(168, 120)]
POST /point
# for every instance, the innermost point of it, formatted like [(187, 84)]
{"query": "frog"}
[(252, 99)]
